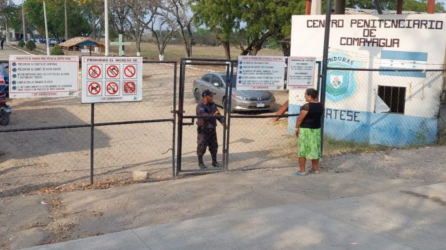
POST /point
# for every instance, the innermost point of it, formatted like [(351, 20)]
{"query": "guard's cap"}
[(207, 92)]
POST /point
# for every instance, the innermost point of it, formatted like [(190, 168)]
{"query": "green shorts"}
[(309, 143)]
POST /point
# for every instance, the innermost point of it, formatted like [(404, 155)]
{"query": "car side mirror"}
[(216, 84)]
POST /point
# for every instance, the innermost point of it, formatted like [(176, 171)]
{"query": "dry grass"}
[(331, 147), (176, 51)]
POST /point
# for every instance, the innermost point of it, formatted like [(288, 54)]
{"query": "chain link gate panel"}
[(56, 141)]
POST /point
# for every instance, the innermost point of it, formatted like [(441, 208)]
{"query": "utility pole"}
[(46, 31), (66, 21), (106, 26), (23, 21)]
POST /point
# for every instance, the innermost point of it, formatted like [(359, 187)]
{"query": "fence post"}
[(325, 64), (174, 172), (92, 145)]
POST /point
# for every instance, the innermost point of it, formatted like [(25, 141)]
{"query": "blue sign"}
[(341, 84)]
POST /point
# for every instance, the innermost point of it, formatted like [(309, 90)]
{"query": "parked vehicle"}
[(4, 79), (242, 100), (52, 41)]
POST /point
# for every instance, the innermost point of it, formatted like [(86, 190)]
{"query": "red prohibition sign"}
[(129, 87), (129, 71), (112, 88), (94, 88), (113, 71), (94, 71)]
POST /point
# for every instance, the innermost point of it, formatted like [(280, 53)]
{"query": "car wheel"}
[(197, 95), (4, 118)]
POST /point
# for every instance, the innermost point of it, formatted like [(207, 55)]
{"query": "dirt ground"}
[(45, 196), (55, 215)]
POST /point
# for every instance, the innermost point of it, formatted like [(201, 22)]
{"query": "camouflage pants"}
[(207, 138)]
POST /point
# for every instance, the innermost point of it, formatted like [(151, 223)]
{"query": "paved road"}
[(413, 218), (10, 50)]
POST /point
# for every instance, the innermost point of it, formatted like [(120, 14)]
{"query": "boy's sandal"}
[(301, 174), (313, 172)]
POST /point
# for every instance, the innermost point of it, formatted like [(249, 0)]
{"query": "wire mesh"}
[(48, 141)]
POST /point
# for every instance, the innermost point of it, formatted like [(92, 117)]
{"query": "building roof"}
[(352, 11), (80, 41)]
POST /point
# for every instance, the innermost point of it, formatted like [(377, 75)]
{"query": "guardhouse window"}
[(394, 97)]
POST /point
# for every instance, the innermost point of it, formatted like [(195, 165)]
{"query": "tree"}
[(78, 25), (408, 5), (177, 15), (119, 10), (261, 20), (222, 17), (162, 37), (9, 16), (141, 15), (93, 13)]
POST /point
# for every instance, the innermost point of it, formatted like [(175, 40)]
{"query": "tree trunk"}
[(227, 49), (138, 45), (286, 49)]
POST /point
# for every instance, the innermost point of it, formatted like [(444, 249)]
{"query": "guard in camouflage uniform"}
[(207, 135)]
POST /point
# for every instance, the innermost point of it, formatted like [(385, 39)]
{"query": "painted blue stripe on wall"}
[(419, 74), (381, 129), (404, 55)]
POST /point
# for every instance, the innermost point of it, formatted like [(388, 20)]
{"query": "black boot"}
[(214, 162), (201, 163)]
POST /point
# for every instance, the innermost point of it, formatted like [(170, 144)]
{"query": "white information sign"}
[(260, 73), (111, 79), (43, 76), (300, 72)]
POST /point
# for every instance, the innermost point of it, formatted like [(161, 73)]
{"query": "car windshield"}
[(233, 80)]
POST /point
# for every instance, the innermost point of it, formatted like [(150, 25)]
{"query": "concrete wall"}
[(376, 42)]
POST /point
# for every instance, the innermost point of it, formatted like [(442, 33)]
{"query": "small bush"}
[(30, 45), (21, 44), (56, 51)]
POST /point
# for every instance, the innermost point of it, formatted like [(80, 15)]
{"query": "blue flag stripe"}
[(404, 55), (419, 74)]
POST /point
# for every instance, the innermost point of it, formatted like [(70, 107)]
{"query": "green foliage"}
[(408, 5), (247, 22), (21, 44), (30, 45), (77, 22), (9, 16), (56, 51)]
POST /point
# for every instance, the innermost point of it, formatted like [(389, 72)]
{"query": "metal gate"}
[(54, 141), (236, 158)]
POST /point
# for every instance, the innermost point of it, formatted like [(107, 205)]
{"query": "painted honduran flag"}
[(403, 60)]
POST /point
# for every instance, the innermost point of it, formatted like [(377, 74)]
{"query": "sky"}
[(21, 1)]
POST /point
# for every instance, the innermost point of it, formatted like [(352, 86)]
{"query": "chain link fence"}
[(49, 140), (397, 108)]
